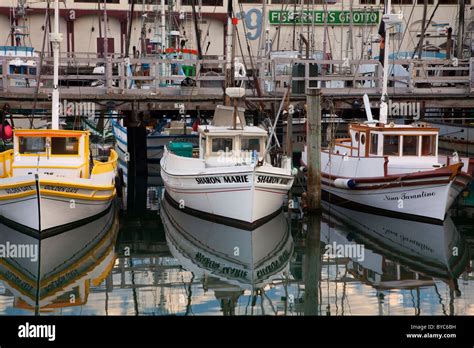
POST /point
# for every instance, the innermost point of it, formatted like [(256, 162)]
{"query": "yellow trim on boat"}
[(17, 195), (105, 167), (76, 185), (45, 167), (77, 195), (17, 184), (49, 132)]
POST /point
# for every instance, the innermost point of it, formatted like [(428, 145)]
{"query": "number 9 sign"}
[(253, 23)]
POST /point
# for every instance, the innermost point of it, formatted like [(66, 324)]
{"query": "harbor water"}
[(162, 261)]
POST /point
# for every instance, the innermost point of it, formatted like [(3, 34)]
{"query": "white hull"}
[(214, 191), (427, 201), (42, 213)]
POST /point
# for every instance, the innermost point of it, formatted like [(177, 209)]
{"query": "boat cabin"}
[(221, 146), (394, 140), (63, 153)]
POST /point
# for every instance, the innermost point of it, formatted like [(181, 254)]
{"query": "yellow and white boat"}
[(47, 180)]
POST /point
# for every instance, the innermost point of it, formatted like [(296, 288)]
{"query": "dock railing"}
[(157, 76)]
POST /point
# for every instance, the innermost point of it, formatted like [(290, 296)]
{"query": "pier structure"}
[(436, 83)]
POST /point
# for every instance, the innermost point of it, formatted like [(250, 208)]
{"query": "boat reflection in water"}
[(397, 254), (229, 260), (47, 275)]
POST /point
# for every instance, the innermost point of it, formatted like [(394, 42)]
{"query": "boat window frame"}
[(376, 136), (261, 142), (48, 151), (417, 147), (399, 145), (211, 138), (434, 145)]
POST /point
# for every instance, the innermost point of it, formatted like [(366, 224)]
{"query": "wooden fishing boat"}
[(234, 180), (48, 181)]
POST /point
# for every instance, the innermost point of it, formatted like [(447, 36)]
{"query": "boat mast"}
[(383, 99), (230, 49), (55, 38), (460, 38), (163, 28)]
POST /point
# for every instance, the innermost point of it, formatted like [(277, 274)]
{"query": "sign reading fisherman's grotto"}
[(359, 17)]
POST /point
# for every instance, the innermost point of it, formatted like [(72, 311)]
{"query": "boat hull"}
[(221, 198), (422, 199), (43, 208)]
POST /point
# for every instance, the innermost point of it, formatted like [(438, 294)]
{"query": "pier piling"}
[(313, 141)]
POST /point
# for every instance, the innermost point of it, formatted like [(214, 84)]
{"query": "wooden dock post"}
[(313, 141)]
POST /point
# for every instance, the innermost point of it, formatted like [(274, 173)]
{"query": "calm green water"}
[(165, 262)]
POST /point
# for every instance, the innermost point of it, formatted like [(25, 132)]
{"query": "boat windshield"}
[(29, 145), (65, 146)]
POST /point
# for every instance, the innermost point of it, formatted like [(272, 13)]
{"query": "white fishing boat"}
[(233, 179), (47, 181), (392, 169)]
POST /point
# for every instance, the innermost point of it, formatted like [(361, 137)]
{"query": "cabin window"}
[(374, 144), (250, 144), (410, 145), (391, 145), (362, 139), (222, 144), (32, 71), (428, 145), (357, 137), (65, 146), (32, 145)]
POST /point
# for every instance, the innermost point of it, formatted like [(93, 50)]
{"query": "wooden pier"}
[(152, 86)]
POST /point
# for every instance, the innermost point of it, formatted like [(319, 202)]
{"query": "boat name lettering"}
[(236, 178), (206, 261), (18, 189), (406, 196), (275, 265), (264, 179), (208, 180), (234, 272), (61, 189), (225, 179)]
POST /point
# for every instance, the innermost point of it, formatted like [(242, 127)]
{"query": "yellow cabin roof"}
[(50, 133)]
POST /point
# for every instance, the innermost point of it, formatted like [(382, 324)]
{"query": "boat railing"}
[(6, 160), (105, 167)]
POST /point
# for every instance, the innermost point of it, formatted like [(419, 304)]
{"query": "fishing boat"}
[(233, 179), (48, 181), (392, 169)]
